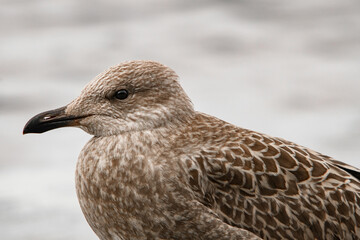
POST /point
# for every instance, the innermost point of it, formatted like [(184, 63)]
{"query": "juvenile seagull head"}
[(132, 96)]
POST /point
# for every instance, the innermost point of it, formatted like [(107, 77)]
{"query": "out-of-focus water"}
[(286, 68)]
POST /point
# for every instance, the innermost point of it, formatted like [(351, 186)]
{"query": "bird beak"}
[(49, 120)]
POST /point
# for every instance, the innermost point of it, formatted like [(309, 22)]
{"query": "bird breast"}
[(122, 187)]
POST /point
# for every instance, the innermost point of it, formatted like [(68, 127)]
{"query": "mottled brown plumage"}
[(157, 169)]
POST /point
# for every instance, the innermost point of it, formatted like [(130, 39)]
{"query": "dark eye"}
[(122, 94)]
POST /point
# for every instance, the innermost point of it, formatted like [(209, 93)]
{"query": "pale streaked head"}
[(132, 96)]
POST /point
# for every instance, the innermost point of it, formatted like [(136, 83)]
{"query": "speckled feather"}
[(157, 169)]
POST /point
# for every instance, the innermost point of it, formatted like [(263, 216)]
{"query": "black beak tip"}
[(26, 129), (46, 121), (32, 126)]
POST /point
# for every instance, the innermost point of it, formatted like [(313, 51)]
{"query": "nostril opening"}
[(48, 117)]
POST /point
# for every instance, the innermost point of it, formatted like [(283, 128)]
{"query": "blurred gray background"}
[(286, 68)]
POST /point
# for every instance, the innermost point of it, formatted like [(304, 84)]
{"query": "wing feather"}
[(273, 187)]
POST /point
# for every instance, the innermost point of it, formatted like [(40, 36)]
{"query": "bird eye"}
[(122, 94)]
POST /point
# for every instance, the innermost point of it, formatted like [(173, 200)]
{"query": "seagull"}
[(157, 169)]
